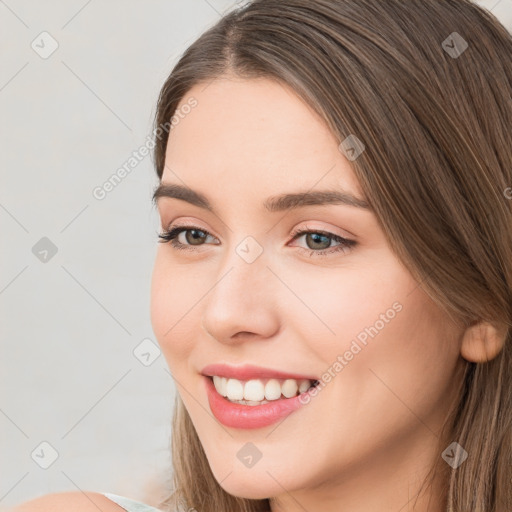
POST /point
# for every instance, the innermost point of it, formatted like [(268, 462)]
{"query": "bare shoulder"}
[(69, 502)]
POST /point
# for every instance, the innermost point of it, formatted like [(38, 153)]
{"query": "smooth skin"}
[(367, 439), (69, 502)]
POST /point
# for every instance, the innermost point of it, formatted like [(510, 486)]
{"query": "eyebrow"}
[(272, 204)]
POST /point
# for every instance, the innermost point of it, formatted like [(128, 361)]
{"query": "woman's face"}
[(244, 290)]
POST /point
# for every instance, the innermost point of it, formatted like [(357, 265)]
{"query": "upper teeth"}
[(257, 390)]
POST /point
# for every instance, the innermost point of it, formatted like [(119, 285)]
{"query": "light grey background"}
[(71, 322)]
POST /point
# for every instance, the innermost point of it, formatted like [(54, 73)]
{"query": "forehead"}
[(258, 131)]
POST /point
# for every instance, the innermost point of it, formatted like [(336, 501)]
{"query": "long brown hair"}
[(426, 85)]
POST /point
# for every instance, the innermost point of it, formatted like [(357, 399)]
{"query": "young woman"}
[(333, 290)]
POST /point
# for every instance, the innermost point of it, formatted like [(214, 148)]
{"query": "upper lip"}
[(248, 371)]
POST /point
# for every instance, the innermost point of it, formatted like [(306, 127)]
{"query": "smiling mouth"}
[(260, 391)]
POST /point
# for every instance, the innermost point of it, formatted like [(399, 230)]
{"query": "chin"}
[(247, 486), (259, 482)]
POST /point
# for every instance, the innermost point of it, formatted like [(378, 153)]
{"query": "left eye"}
[(319, 243)]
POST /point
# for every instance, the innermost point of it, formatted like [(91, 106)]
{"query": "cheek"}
[(379, 320), (341, 308), (398, 359)]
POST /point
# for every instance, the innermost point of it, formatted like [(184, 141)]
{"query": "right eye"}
[(193, 236)]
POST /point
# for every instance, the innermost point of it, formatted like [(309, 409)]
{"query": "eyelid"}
[(185, 223), (330, 231)]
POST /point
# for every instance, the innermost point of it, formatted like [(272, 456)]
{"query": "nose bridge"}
[(241, 299)]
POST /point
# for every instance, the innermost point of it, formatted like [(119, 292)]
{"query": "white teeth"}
[(234, 389), (273, 389), (256, 391), (220, 384), (304, 385), (248, 402), (290, 388)]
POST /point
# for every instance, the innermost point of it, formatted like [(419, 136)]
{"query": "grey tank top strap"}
[(130, 505)]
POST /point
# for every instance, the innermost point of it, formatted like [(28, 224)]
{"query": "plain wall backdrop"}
[(85, 396)]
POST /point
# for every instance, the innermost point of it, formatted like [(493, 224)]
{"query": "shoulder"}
[(67, 501)]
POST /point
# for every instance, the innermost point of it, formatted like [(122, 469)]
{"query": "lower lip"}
[(250, 416)]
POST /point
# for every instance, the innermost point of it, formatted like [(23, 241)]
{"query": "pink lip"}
[(247, 372), (248, 416)]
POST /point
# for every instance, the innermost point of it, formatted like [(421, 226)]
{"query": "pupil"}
[(316, 237), (194, 240)]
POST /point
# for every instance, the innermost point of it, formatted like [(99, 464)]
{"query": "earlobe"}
[(483, 341)]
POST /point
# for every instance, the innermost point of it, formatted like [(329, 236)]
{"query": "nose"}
[(243, 303)]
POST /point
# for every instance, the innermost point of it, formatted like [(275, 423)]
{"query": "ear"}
[(483, 341)]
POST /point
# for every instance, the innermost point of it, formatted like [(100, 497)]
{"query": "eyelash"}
[(170, 236)]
